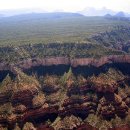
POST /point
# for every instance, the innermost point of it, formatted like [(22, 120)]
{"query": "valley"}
[(64, 71)]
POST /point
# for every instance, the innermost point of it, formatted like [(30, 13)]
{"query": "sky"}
[(65, 5)]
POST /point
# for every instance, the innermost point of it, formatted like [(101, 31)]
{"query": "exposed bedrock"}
[(60, 65), (61, 69), (26, 64), (85, 66), (74, 62), (65, 100), (88, 127), (22, 101)]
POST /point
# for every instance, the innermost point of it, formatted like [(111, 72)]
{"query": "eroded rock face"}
[(111, 106), (65, 102), (74, 62), (29, 126), (86, 127), (125, 127), (68, 122), (26, 64)]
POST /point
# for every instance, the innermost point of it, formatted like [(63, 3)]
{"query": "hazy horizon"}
[(64, 5)]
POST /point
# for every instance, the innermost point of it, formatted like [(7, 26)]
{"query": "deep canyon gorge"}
[(59, 93)]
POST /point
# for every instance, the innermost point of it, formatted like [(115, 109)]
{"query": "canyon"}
[(64, 71), (63, 93)]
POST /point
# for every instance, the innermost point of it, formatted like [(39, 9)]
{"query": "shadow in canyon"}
[(61, 69), (80, 70), (4, 73)]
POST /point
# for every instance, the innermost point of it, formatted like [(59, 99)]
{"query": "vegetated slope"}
[(118, 38), (69, 50), (53, 27), (61, 34)]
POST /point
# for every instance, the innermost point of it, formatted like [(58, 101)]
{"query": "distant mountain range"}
[(96, 12), (7, 13), (47, 16), (102, 12), (86, 12), (119, 14)]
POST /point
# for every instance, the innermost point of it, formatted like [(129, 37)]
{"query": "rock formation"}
[(68, 101)]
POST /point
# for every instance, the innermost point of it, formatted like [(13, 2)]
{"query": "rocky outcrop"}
[(109, 107), (26, 64), (29, 126), (93, 65), (45, 127), (124, 127), (67, 123), (74, 62), (65, 102), (79, 106), (89, 127), (25, 103), (86, 127), (37, 113)]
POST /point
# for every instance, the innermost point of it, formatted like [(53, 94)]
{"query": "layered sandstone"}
[(65, 102), (26, 64)]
